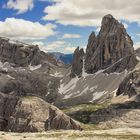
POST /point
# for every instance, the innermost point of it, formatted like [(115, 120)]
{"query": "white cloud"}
[(90, 12), (51, 47), (69, 49), (71, 36), (98, 29), (137, 45), (56, 46), (39, 43), (25, 30), (21, 6), (138, 34), (125, 25)]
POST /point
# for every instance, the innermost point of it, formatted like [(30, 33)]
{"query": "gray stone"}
[(77, 63), (32, 114), (22, 54), (110, 46)]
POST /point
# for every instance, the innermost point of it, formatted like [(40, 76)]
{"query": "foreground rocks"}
[(32, 114), (110, 134)]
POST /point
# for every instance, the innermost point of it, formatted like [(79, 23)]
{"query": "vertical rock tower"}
[(77, 63), (109, 46)]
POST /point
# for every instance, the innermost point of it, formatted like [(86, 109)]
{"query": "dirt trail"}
[(112, 134)]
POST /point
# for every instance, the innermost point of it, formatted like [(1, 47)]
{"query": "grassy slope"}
[(82, 112)]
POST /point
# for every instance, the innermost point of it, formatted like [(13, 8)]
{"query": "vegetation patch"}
[(82, 112)]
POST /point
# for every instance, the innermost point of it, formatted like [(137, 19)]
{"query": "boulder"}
[(32, 114)]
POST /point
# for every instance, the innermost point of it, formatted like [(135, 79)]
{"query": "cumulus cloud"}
[(98, 29), (138, 34), (137, 45), (125, 25), (65, 36), (21, 6), (39, 43), (59, 45), (69, 49), (90, 12), (55, 45), (25, 30)]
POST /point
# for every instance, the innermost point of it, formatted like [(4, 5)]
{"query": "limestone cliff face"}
[(32, 114), (77, 63), (131, 85), (109, 46), (22, 54), (26, 87)]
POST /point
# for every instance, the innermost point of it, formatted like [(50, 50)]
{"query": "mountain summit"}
[(96, 74), (110, 46)]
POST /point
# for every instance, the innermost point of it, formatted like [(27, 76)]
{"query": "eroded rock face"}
[(22, 54), (109, 46), (28, 75), (7, 105), (32, 114), (77, 64), (131, 85), (123, 115), (27, 85)]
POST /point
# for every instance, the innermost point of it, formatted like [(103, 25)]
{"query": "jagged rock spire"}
[(77, 63), (110, 45)]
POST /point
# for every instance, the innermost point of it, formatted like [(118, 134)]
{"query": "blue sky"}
[(62, 25)]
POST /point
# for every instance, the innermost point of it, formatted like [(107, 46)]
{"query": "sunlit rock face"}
[(77, 63), (32, 114), (22, 54), (109, 46)]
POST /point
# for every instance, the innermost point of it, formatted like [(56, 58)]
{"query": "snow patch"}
[(57, 74), (84, 74), (138, 58), (115, 91), (67, 96), (93, 88), (68, 87), (3, 66), (49, 83), (98, 95), (10, 77), (84, 91), (32, 68), (98, 72)]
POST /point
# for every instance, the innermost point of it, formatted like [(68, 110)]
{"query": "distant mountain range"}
[(65, 58)]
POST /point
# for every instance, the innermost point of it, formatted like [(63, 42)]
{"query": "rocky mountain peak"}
[(110, 26), (22, 54), (77, 63), (91, 40), (108, 19), (106, 49), (111, 44)]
